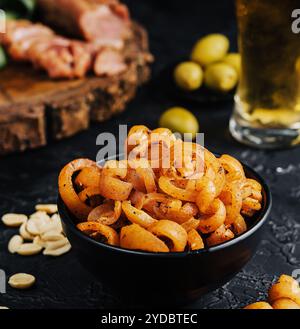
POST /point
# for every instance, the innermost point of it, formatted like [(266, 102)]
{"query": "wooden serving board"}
[(35, 109)]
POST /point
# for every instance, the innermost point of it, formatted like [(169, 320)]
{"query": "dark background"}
[(30, 178)]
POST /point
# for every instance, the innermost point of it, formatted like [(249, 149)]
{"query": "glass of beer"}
[(267, 103)]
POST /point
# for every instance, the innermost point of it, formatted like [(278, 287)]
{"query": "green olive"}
[(220, 77), (180, 120), (234, 60), (188, 76), (3, 59), (210, 49)]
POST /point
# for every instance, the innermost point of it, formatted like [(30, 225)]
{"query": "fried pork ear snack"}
[(285, 294), (167, 186), (112, 184), (67, 191), (107, 213), (286, 287), (221, 235), (88, 176), (88, 193), (183, 200), (259, 306), (173, 232), (137, 216), (285, 304), (100, 231), (137, 238), (194, 240), (214, 218)]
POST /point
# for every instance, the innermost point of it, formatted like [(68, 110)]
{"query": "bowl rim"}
[(66, 218)]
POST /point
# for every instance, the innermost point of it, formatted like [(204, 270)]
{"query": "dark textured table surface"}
[(29, 178)]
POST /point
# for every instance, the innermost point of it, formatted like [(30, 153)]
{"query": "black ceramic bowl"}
[(167, 278)]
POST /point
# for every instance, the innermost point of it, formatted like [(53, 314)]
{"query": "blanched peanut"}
[(29, 249), (48, 208), (24, 233), (21, 281), (57, 252), (38, 241), (15, 243), (53, 245), (44, 232), (14, 220), (32, 227), (52, 235)]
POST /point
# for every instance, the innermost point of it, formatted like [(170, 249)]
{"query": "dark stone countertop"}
[(29, 178)]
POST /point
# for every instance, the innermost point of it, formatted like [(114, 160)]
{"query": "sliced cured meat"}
[(59, 56), (105, 22), (109, 62)]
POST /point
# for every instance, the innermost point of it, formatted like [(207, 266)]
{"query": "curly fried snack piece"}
[(89, 176), (176, 212), (163, 210), (162, 206), (114, 188), (206, 195), (159, 144), (89, 192), (285, 304), (116, 168), (173, 232), (111, 184), (231, 196), (165, 183), (286, 287), (233, 167), (136, 180), (158, 133), (137, 216), (195, 242), (107, 213), (253, 188), (259, 306), (186, 161), (137, 199), (137, 238), (151, 200), (288, 279), (222, 234), (136, 136), (211, 222), (191, 224), (250, 206), (215, 171), (239, 226), (66, 188), (145, 173), (95, 228)]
